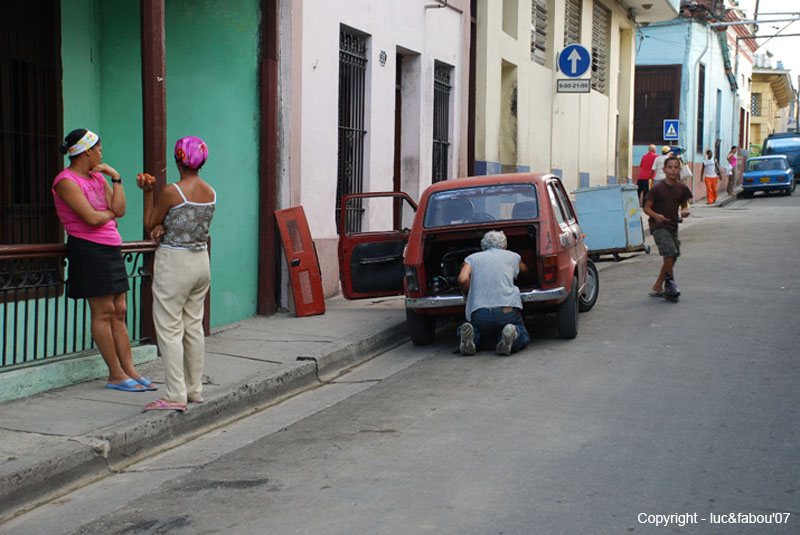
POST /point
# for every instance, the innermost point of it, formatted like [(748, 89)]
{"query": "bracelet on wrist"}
[(116, 180)]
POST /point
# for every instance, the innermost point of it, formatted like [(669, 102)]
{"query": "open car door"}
[(373, 232)]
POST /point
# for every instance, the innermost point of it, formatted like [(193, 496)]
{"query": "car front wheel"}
[(421, 329), (568, 313), (590, 290)]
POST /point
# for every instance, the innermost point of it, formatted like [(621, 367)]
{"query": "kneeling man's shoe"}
[(467, 344), (507, 339)]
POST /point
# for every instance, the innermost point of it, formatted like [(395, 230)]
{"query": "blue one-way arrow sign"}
[(574, 61)]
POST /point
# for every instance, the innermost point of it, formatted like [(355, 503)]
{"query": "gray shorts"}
[(668, 243)]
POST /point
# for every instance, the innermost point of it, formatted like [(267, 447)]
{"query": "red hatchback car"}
[(423, 261)]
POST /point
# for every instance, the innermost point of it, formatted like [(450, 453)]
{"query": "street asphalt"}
[(57, 441)]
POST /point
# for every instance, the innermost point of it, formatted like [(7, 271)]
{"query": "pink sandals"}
[(165, 405)]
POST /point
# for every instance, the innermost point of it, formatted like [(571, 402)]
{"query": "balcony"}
[(648, 11)]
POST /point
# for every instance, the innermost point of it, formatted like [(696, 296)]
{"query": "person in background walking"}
[(646, 173), (658, 164), (662, 206), (181, 272), (710, 177), (732, 171), (88, 208), (494, 306)]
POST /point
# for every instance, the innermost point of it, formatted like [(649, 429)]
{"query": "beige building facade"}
[(771, 92), (522, 122)]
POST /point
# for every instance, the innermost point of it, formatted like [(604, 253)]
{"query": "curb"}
[(82, 459)]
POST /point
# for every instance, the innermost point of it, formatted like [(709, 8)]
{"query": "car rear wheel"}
[(421, 329), (591, 289), (791, 188), (568, 313)]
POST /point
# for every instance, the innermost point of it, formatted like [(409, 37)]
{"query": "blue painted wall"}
[(684, 42)]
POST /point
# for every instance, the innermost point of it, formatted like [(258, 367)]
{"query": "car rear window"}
[(768, 164), (783, 143), (481, 204)]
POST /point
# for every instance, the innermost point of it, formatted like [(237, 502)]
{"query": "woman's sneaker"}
[(466, 344), (507, 339)]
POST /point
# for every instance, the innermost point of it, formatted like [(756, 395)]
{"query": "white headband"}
[(85, 143)]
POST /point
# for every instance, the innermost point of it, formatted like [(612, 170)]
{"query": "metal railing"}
[(38, 321)]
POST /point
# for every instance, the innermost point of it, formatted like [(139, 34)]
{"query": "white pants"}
[(181, 279)]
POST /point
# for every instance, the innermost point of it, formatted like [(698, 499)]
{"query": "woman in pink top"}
[(732, 162), (88, 208)]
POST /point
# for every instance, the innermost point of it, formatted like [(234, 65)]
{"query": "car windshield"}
[(769, 164), (480, 204), (783, 143)]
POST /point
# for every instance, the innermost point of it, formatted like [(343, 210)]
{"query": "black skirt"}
[(94, 269)]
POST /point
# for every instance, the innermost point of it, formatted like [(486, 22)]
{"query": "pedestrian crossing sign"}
[(670, 129)]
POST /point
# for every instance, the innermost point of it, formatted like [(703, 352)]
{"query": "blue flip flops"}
[(146, 383), (128, 385)]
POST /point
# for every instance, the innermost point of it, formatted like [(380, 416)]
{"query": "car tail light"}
[(748, 180), (550, 268), (412, 282)]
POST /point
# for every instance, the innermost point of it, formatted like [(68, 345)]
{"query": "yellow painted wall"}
[(575, 133), (765, 124)]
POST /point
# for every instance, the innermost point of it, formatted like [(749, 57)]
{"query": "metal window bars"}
[(352, 84), (441, 121), (30, 121)]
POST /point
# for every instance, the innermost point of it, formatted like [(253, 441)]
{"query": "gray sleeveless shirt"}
[(186, 224), (492, 280)]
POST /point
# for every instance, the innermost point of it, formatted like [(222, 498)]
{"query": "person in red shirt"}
[(645, 173)]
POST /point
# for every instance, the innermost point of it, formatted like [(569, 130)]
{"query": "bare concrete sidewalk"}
[(63, 438)]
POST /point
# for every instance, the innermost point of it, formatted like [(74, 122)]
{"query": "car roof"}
[(486, 180), (783, 134), (769, 157)]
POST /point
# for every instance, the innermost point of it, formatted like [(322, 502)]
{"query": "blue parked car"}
[(768, 173)]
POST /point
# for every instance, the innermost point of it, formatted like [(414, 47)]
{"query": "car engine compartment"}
[(444, 253)]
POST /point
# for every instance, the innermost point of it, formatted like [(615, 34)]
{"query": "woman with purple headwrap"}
[(181, 272)]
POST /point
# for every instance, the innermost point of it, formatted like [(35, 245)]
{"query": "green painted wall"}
[(121, 103), (212, 92), (80, 58), (102, 88)]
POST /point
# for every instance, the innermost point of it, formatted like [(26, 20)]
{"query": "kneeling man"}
[(494, 306)]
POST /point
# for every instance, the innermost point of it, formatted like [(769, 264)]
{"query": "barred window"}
[(701, 105), (601, 33), (30, 121), (657, 96), (539, 31), (755, 104), (572, 22), (352, 83), (441, 121)]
